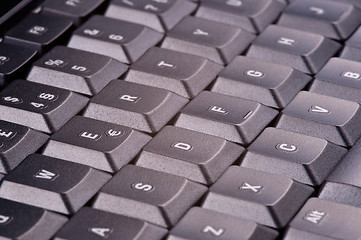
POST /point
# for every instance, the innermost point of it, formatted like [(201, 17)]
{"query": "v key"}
[(318, 109)]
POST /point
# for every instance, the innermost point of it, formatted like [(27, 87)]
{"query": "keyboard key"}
[(356, 3), (253, 16), (13, 60), (92, 224), (20, 221), (337, 77), (101, 145), (265, 198), (306, 52), (216, 41), (271, 84), (38, 106), (160, 15), (52, 184), (196, 156), (181, 73), (123, 41), (303, 158), (17, 142), (156, 197), (234, 119), (333, 119), (332, 19), (76, 70), (136, 106), (204, 224), (321, 219), (352, 47), (38, 32)]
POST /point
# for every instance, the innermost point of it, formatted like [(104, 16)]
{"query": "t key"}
[(76, 70), (38, 106), (123, 41), (133, 105), (333, 119), (235, 119), (98, 144)]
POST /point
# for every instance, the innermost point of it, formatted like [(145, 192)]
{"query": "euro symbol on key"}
[(114, 133)]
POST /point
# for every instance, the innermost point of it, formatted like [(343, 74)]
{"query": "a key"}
[(98, 144), (13, 59), (344, 183), (204, 224), (196, 156), (333, 119), (322, 219), (123, 41), (161, 15), (234, 119), (93, 224), (53, 184), (76, 10), (266, 198), (156, 197), (303, 158), (356, 3), (271, 84), (182, 73), (306, 52), (38, 106), (133, 105), (20, 221), (335, 20), (76, 70), (352, 48), (337, 77), (17, 142), (38, 32), (218, 42), (253, 16)]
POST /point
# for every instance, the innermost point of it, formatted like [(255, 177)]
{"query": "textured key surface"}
[(92, 224), (196, 156), (235, 119), (153, 196), (98, 144), (352, 48), (181, 73), (76, 70), (133, 105)]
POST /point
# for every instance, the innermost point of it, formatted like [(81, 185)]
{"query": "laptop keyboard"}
[(180, 120)]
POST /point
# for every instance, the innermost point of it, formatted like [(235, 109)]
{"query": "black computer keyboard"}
[(180, 119)]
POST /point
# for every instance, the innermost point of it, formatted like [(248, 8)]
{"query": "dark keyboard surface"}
[(180, 119)]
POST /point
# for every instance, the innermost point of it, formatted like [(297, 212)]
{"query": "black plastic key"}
[(333, 119), (153, 196), (352, 48), (123, 41), (307, 52), (271, 84), (52, 184), (13, 59), (196, 156), (38, 106), (253, 16), (98, 144), (161, 15), (23, 222), (38, 31), (204, 224), (76, 70), (332, 19), (182, 73), (92, 224), (303, 158), (17, 142), (218, 42), (322, 219), (235, 119), (262, 197), (133, 105)]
